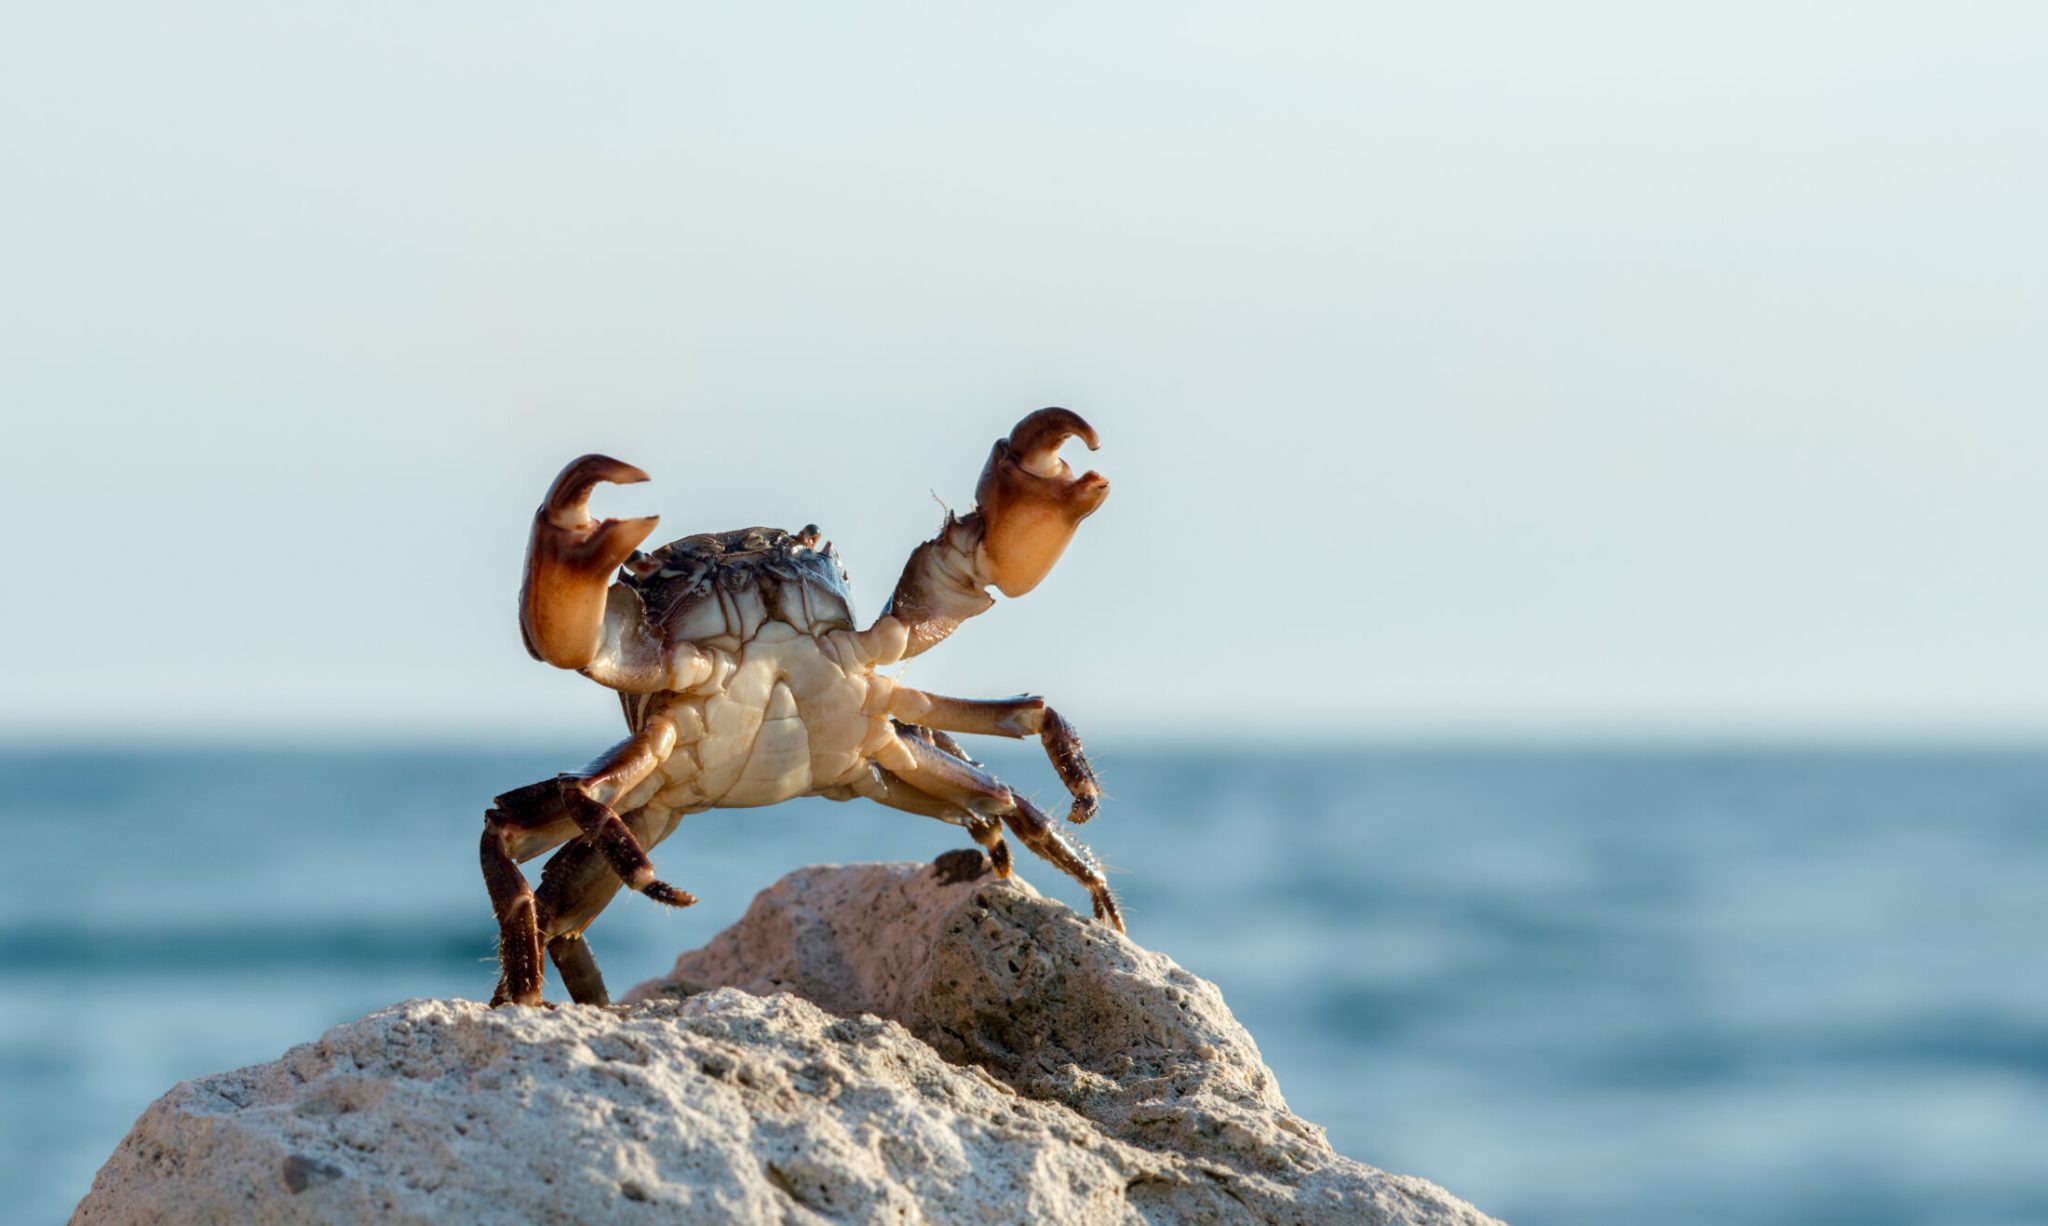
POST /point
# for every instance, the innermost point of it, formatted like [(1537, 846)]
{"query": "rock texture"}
[(872, 1043)]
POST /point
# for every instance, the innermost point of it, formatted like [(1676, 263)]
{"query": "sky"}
[(1607, 370)]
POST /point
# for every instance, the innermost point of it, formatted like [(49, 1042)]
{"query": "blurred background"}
[(1563, 647)]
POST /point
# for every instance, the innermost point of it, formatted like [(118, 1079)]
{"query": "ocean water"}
[(1573, 987)]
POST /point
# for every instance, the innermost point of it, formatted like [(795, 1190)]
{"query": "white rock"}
[(1034, 1067)]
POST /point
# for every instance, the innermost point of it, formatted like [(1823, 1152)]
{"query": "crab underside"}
[(745, 681)]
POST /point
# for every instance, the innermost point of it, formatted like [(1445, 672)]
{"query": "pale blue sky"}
[(1524, 370)]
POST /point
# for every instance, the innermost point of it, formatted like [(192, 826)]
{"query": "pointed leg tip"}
[(1108, 912), (668, 895)]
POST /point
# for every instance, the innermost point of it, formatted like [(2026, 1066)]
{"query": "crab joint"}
[(569, 562), (1031, 501)]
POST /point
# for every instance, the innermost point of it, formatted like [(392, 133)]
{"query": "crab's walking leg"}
[(939, 737), (1011, 717), (593, 791), (518, 926), (890, 791), (573, 961), (586, 798), (575, 887), (946, 777)]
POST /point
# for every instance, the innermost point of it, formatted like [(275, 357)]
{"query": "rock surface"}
[(879, 1042)]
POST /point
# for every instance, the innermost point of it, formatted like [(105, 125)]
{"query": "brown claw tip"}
[(1042, 433), (568, 498), (595, 467)]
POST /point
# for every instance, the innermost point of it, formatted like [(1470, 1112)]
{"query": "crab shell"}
[(716, 589)]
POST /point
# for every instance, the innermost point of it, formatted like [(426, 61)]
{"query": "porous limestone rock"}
[(871, 1043)]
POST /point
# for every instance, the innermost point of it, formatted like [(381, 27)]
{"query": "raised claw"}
[(1031, 501), (569, 562), (567, 504)]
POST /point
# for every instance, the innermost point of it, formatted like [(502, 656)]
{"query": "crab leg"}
[(1011, 717), (578, 969), (890, 791), (940, 774), (592, 794), (586, 798), (1027, 505), (577, 885), (518, 927), (939, 737)]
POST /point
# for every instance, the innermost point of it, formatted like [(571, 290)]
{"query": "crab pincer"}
[(1031, 501), (569, 562)]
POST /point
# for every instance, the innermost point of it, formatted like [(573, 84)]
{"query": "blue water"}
[(1573, 987)]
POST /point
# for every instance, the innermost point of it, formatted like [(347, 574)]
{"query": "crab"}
[(746, 681)]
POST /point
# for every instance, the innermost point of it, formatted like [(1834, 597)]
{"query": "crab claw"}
[(569, 562), (1031, 501)]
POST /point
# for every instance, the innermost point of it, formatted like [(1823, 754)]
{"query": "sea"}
[(1584, 985)]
